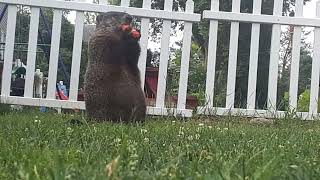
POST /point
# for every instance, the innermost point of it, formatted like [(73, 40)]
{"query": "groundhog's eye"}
[(98, 19), (128, 19)]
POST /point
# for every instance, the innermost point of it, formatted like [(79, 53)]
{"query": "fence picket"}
[(8, 54), (144, 42), (233, 56), (274, 58), (212, 56), (76, 56), (185, 59), (296, 45), (103, 2), (125, 3), (254, 57), (314, 90), (54, 54), (164, 57), (32, 51)]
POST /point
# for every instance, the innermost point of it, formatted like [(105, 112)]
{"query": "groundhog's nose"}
[(128, 18)]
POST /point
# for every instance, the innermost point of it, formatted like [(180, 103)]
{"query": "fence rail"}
[(81, 6), (189, 17)]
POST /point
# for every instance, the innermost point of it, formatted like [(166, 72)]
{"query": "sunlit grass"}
[(46, 146)]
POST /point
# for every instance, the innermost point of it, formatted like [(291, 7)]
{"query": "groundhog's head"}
[(113, 19), (117, 21)]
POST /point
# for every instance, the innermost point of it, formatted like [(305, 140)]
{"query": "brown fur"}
[(112, 87)]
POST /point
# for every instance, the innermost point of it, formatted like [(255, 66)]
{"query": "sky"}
[(309, 11)]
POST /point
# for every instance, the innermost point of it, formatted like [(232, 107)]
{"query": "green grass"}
[(46, 146)]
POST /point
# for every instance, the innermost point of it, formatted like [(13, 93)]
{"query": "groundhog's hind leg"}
[(138, 114)]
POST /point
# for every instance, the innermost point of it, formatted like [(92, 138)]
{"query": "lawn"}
[(37, 145)]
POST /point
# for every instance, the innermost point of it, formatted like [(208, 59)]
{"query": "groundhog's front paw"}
[(133, 33)]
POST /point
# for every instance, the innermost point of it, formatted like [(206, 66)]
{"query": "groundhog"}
[(112, 87)]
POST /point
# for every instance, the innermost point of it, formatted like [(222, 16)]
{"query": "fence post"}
[(103, 2), (212, 56), (164, 57), (125, 3), (76, 56), (254, 57), (296, 45), (185, 59), (32, 51), (274, 58), (314, 90), (233, 56), (54, 54), (144, 42), (8, 54)]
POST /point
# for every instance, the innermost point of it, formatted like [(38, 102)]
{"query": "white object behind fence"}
[(144, 13)]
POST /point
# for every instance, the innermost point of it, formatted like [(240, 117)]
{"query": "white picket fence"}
[(256, 18), (189, 17), (145, 13)]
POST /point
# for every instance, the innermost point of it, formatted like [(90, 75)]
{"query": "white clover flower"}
[(69, 130), (197, 136), (68, 176), (201, 124), (190, 138), (210, 127), (143, 131), (37, 121), (146, 139), (199, 129), (117, 140), (181, 133), (293, 166)]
